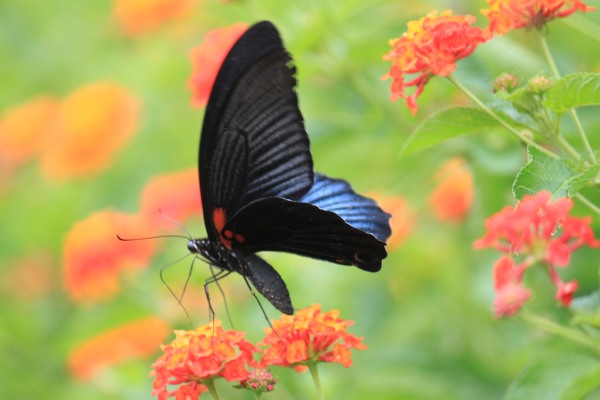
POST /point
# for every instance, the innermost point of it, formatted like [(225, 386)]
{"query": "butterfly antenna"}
[(174, 221), (260, 305), (150, 237), (162, 278)]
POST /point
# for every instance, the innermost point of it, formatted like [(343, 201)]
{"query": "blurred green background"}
[(426, 316)]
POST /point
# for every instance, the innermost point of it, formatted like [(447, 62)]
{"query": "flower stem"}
[(588, 204), (495, 116), (572, 111), (552, 327), (210, 384), (316, 380)]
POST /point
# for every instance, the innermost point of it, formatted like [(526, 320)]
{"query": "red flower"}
[(259, 380), (541, 230), (453, 196), (94, 122), (137, 17), (505, 15), (133, 340), (93, 257), (532, 229), (510, 294), (176, 195), (207, 58), (430, 46), (196, 357), (309, 337)]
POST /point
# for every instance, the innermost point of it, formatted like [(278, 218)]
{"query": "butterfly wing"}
[(361, 212), (253, 142), (302, 228)]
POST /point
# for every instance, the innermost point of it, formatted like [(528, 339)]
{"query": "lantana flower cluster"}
[(195, 359), (433, 44), (537, 231)]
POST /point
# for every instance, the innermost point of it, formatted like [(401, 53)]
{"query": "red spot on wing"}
[(219, 218)]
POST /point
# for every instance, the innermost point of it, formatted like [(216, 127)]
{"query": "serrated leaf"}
[(558, 376), (543, 172), (574, 90), (447, 124)]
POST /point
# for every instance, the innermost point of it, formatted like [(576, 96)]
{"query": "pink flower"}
[(510, 293)]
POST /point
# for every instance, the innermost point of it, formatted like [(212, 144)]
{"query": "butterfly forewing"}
[(253, 144)]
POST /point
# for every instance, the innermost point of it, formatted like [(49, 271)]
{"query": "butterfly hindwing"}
[(358, 211), (279, 224), (253, 144)]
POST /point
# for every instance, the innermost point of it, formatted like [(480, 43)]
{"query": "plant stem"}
[(572, 111), (316, 380), (210, 384), (495, 116), (552, 327), (588, 204)]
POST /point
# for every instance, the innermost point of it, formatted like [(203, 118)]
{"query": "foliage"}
[(78, 168)]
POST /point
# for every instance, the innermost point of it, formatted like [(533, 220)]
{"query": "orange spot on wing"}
[(219, 219)]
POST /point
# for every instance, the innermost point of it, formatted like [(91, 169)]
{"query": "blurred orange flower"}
[(30, 277), (452, 198), (506, 15), (309, 337), (177, 195), (195, 358), (138, 17), (207, 58), (137, 339), (430, 46), (402, 221), (24, 128), (94, 122), (93, 257)]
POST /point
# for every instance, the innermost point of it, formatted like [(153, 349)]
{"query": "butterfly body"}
[(259, 190)]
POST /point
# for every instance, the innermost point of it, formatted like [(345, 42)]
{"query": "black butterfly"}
[(259, 190)]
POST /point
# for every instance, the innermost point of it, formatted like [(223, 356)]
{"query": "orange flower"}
[(195, 358), (505, 15), (30, 277), (207, 58), (94, 122), (93, 257), (177, 195), (133, 340), (453, 196), (137, 17), (24, 128), (309, 337), (430, 46), (402, 221)]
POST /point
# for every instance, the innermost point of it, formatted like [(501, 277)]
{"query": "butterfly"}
[(258, 188)]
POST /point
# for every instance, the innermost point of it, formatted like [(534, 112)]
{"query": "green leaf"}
[(557, 376), (447, 124), (574, 90), (543, 172), (522, 99), (587, 309)]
